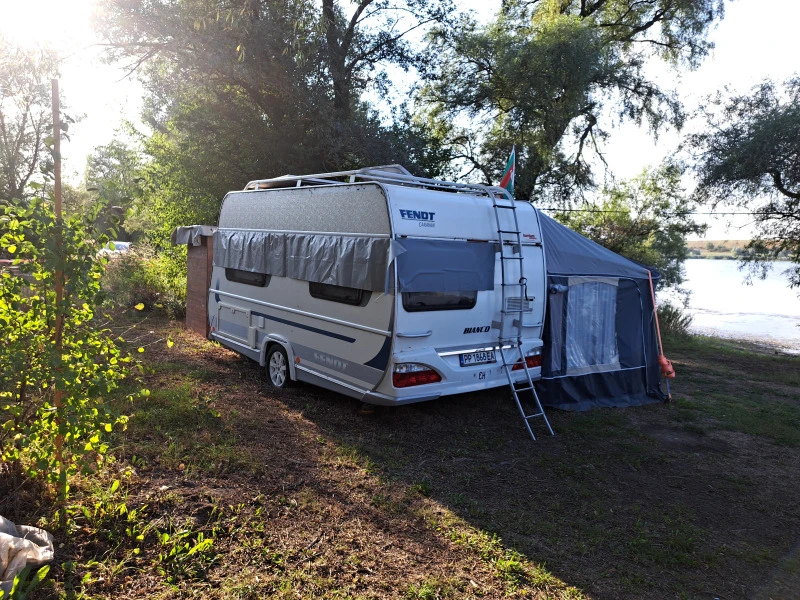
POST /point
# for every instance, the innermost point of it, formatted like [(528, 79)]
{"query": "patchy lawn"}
[(231, 490)]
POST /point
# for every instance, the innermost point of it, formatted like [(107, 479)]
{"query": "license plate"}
[(477, 358)]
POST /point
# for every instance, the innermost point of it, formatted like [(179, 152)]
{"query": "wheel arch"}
[(271, 340)]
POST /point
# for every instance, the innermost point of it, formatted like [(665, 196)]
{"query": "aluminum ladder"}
[(510, 338)]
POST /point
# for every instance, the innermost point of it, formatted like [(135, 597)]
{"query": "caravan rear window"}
[(336, 293), (423, 301), (247, 277)]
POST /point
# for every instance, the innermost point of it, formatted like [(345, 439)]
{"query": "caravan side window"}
[(336, 293), (247, 277), (423, 301)]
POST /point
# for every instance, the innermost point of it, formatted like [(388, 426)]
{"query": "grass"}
[(180, 429), (224, 490), (767, 406)]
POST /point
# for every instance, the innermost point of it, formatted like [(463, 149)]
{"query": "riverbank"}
[(716, 249), (230, 489), (722, 304)]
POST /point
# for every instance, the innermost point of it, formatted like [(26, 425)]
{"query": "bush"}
[(54, 392), (673, 319), (143, 275)]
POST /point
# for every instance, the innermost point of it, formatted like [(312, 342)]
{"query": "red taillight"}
[(531, 361), (410, 374)]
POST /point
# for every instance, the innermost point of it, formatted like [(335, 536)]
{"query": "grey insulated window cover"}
[(352, 261), (445, 266)]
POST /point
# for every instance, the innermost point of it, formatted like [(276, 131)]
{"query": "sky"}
[(756, 39)]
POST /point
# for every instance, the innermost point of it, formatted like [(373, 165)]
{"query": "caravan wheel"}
[(278, 367)]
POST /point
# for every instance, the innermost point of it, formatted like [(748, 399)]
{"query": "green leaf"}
[(12, 248), (139, 306), (115, 486), (170, 343)]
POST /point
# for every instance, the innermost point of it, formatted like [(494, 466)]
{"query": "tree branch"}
[(778, 181)]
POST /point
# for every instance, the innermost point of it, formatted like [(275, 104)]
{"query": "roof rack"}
[(391, 174)]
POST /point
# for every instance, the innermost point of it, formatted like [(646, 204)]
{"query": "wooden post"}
[(59, 329), (200, 262)]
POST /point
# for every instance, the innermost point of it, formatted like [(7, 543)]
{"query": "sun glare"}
[(62, 25)]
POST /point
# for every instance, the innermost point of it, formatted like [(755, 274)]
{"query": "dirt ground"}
[(306, 497)]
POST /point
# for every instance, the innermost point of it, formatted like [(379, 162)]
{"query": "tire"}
[(277, 367)]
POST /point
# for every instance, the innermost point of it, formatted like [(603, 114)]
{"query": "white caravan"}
[(379, 285)]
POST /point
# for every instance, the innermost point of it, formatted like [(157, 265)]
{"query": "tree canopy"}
[(551, 76), (258, 88), (749, 157), (646, 219)]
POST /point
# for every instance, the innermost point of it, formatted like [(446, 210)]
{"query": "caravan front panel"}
[(446, 319)]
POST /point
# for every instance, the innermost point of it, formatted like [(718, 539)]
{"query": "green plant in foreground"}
[(185, 555), (22, 586), (54, 408)]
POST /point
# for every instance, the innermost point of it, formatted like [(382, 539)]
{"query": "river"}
[(723, 305)]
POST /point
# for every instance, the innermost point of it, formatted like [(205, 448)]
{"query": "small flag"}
[(508, 176)]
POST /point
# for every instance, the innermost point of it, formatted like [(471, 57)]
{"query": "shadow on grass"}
[(689, 499), (653, 501)]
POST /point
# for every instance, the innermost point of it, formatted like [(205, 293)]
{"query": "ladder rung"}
[(511, 206), (514, 231), (527, 389), (533, 416), (505, 257)]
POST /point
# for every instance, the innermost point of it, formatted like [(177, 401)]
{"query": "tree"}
[(252, 89), (114, 172), (750, 158), (25, 116), (646, 219), (300, 68), (545, 75)]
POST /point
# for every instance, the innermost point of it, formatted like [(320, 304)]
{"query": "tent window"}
[(247, 277), (336, 293), (425, 301), (591, 324)]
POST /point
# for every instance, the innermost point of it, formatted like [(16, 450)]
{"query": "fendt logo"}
[(424, 217), (477, 329), (330, 361)]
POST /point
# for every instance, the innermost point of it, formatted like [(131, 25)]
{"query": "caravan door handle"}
[(420, 334)]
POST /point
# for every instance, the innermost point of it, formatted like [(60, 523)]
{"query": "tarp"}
[(600, 345), (191, 234), (21, 546), (351, 261), (359, 261), (425, 265)]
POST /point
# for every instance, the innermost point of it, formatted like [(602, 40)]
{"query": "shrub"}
[(53, 393), (143, 275), (673, 319)]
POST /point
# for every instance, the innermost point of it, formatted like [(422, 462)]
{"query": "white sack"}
[(21, 546)]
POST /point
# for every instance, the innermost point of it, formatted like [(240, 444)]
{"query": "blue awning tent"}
[(600, 341)]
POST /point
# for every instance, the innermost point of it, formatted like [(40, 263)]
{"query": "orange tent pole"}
[(666, 366)]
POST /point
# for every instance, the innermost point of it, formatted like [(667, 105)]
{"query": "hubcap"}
[(277, 369)]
